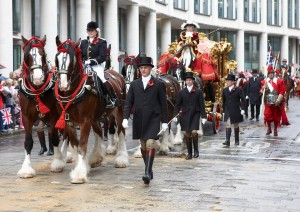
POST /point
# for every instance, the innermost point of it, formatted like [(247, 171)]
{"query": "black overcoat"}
[(233, 103), (192, 106), (149, 108), (95, 51), (253, 90)]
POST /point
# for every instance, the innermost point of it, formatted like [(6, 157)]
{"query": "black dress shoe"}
[(251, 118), (257, 119), (50, 152), (42, 151), (189, 157), (146, 178)]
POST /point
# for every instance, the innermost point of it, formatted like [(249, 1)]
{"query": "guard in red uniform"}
[(274, 89)]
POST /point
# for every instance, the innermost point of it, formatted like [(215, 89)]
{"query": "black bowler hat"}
[(145, 61), (92, 25), (231, 77), (254, 71), (189, 74)]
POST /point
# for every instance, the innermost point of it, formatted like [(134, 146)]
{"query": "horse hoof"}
[(163, 153), (78, 181)]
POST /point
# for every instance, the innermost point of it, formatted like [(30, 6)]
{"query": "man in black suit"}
[(147, 98), (253, 93), (191, 101), (233, 108)]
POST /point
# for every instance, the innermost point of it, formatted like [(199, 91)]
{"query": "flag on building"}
[(270, 59), (6, 116)]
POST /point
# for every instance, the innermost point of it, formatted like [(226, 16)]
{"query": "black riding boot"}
[(189, 147), (195, 143), (237, 136), (228, 134), (113, 102), (149, 162), (51, 150), (41, 136)]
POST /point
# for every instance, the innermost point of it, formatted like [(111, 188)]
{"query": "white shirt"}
[(230, 88), (146, 80), (189, 88)]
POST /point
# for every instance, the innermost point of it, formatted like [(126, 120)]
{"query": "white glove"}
[(87, 62), (125, 123), (247, 97), (164, 126), (175, 119), (242, 112), (203, 121)]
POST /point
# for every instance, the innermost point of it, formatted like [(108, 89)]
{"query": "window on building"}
[(16, 15), (161, 1), (16, 56), (227, 9), (203, 7), (293, 13), (251, 49), (122, 29), (36, 17), (252, 11), (274, 15), (181, 4), (231, 38), (100, 15), (275, 42)]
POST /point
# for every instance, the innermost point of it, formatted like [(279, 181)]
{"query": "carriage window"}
[(36, 17), (203, 7), (16, 15), (181, 4)]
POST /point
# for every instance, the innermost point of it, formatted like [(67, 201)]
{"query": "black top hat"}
[(189, 74), (145, 61), (92, 25), (231, 77), (254, 71)]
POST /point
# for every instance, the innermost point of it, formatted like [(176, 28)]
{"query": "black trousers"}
[(257, 109)]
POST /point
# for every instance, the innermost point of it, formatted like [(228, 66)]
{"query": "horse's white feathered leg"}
[(26, 170), (58, 164), (138, 153), (79, 173), (178, 137), (164, 149), (71, 154), (98, 152), (122, 154), (112, 144)]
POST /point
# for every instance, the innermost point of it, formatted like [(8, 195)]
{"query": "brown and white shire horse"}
[(172, 90), (289, 83), (80, 106), (37, 100)]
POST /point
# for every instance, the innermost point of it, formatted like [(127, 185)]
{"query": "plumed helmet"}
[(231, 77), (270, 69), (278, 71), (145, 61), (92, 25), (189, 22)]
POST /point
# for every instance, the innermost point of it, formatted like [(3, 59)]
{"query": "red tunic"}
[(273, 112)]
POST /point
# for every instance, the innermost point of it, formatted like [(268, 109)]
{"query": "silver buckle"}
[(67, 117)]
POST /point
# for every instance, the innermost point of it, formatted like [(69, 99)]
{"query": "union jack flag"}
[(270, 59), (6, 116)]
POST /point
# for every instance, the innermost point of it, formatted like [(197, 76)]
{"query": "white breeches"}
[(99, 69)]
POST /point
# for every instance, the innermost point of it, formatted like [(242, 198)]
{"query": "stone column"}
[(133, 29), (26, 19), (151, 39), (263, 49), (6, 37), (112, 30), (285, 48), (240, 47), (83, 16), (165, 34), (49, 26)]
